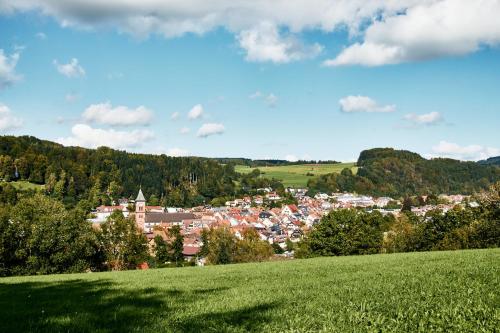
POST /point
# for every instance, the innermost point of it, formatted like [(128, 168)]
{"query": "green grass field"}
[(25, 185), (414, 292), (296, 175)]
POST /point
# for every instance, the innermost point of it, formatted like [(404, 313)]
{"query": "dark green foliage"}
[(177, 245), (103, 174), (161, 250), (347, 232), (39, 236), (399, 173)]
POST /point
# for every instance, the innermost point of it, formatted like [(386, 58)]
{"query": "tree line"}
[(399, 173)]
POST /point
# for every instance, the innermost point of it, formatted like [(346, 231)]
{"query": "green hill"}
[(413, 292), (397, 173), (296, 175)]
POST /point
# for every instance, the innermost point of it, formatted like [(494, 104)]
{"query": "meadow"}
[(410, 292), (297, 175), (23, 185)]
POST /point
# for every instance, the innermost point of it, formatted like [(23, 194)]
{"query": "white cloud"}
[(430, 118), (41, 35), (384, 31), (195, 112), (176, 152), (175, 116), (105, 113), (291, 158), (71, 69), (265, 43), (470, 152), (427, 30), (85, 136), (8, 64), (363, 104), (7, 121), (184, 130), (210, 129)]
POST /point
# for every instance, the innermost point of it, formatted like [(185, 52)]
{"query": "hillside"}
[(414, 292), (491, 161), (98, 175), (397, 173), (296, 175)]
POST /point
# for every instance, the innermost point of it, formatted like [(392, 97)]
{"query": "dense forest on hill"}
[(491, 161), (100, 175), (400, 173)]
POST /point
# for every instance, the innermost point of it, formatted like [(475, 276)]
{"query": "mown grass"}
[(297, 175), (415, 292)]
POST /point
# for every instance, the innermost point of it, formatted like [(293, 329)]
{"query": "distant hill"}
[(268, 163), (491, 161), (398, 173)]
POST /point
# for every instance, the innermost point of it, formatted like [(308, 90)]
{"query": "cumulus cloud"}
[(291, 158), (255, 95), (8, 64), (471, 152), (210, 129), (424, 31), (86, 136), (430, 118), (175, 116), (7, 121), (195, 112), (265, 43), (71, 69), (176, 152), (105, 113), (184, 130), (363, 104)]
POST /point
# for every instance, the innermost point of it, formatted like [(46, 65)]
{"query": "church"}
[(149, 217)]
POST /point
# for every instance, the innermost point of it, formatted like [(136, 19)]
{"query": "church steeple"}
[(140, 210), (140, 196)]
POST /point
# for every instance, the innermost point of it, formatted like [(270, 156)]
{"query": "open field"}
[(296, 175), (425, 292), (25, 185)]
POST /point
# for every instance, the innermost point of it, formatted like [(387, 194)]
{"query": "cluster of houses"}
[(274, 225)]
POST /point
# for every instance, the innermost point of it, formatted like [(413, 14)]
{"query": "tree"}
[(177, 245), (124, 246), (222, 245), (251, 248), (205, 234), (161, 250), (50, 239)]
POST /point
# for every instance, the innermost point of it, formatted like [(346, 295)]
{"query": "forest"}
[(400, 173)]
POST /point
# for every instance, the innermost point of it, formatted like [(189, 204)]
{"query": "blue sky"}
[(302, 84)]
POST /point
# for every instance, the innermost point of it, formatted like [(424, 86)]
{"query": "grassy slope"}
[(295, 175), (438, 291), (25, 185)]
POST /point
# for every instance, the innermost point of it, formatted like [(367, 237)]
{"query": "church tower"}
[(140, 210)]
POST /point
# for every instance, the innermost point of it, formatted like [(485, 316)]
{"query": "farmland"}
[(297, 175), (434, 291)]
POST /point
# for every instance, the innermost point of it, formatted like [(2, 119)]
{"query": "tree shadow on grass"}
[(104, 306)]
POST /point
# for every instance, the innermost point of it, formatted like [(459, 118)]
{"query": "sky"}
[(302, 79)]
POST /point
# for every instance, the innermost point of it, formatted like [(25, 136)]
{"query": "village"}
[(280, 225)]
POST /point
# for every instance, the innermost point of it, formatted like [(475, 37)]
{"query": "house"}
[(290, 210)]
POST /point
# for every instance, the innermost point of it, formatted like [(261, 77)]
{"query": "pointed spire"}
[(140, 196)]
